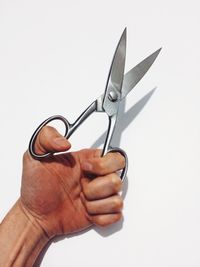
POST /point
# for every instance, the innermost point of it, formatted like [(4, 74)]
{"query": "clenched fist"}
[(68, 192), (61, 194)]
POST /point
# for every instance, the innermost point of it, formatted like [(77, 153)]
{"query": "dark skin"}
[(62, 194)]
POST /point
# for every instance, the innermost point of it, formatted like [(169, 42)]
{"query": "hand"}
[(69, 192)]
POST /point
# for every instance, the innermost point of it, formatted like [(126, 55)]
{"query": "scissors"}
[(117, 87)]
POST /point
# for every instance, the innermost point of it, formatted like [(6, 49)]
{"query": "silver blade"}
[(112, 93), (132, 77)]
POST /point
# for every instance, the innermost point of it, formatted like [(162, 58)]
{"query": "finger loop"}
[(123, 153), (37, 131)]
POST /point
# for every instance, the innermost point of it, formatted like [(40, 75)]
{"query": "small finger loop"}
[(125, 169)]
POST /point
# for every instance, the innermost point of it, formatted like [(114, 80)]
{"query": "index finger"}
[(107, 164)]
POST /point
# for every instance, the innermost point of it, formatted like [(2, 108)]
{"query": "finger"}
[(109, 163), (88, 153), (109, 205), (50, 140), (106, 219), (101, 187)]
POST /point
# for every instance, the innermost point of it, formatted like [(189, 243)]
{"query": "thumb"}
[(50, 140)]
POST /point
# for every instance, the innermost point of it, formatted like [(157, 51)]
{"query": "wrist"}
[(21, 238), (33, 220)]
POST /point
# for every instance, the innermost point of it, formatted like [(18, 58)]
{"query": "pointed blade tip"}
[(144, 65), (124, 33), (158, 50), (154, 55)]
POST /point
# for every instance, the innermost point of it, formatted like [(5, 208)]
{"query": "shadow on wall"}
[(124, 120)]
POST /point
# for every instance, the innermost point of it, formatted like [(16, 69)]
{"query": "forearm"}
[(21, 239)]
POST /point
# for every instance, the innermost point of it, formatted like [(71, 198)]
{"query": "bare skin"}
[(63, 194)]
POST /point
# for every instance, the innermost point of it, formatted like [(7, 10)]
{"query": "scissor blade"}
[(132, 77), (112, 93)]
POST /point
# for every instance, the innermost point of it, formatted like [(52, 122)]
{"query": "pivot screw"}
[(113, 96)]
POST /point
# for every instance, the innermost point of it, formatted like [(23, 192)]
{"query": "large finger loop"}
[(37, 131)]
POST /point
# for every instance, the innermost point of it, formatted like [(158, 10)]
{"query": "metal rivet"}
[(113, 96)]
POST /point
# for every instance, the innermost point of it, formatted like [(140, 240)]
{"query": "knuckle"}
[(100, 166), (118, 217), (45, 130), (86, 190), (122, 161), (97, 152), (116, 182), (101, 222), (118, 202), (106, 221)]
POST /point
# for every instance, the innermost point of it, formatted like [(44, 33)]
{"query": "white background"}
[(54, 59)]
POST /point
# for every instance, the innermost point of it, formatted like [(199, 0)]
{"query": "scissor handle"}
[(39, 128), (123, 153), (69, 128)]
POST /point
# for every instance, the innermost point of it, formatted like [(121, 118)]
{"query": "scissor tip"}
[(155, 54), (159, 49), (124, 32), (123, 37)]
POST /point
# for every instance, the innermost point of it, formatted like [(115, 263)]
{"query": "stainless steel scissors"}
[(117, 87)]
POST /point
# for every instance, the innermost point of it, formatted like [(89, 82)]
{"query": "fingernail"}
[(61, 142), (87, 166)]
